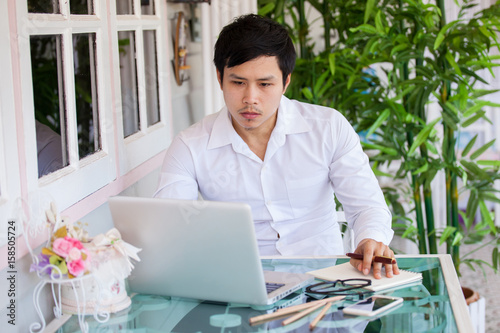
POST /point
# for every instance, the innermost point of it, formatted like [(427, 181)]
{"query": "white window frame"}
[(81, 177), (148, 141)]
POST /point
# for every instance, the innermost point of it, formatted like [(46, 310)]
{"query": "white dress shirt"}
[(313, 151)]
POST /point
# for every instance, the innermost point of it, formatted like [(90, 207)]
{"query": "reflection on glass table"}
[(426, 308)]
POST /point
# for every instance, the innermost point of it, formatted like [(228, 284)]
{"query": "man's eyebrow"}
[(266, 78)]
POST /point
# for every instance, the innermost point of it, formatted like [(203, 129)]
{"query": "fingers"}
[(371, 248)]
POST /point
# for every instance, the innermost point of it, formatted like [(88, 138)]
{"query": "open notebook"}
[(347, 271)]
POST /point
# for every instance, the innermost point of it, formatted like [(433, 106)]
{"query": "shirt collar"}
[(290, 121)]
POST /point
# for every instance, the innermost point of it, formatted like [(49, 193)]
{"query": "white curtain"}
[(213, 19)]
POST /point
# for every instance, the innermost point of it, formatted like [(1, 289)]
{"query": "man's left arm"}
[(357, 188)]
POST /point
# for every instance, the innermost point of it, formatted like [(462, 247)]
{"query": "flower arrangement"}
[(66, 255), (71, 253)]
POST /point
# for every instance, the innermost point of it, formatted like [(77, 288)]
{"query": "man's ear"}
[(219, 78), (287, 82)]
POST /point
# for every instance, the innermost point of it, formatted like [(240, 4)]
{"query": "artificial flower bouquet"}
[(71, 254), (65, 256)]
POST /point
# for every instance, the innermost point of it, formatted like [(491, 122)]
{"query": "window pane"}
[(48, 98), (82, 7), (43, 6), (147, 7), (151, 67), (89, 138), (128, 80), (124, 7)]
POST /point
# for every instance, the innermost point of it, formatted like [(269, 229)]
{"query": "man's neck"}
[(257, 138)]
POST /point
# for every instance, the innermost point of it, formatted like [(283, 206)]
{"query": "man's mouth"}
[(249, 114)]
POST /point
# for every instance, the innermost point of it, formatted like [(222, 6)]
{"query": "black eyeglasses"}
[(338, 287)]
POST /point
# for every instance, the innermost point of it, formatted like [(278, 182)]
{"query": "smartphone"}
[(373, 305)]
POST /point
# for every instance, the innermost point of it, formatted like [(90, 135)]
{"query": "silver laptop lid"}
[(196, 249)]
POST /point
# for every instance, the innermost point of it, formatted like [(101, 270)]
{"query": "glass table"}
[(434, 305)]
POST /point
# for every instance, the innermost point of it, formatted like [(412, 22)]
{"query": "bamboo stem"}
[(326, 23), (302, 28), (429, 217)]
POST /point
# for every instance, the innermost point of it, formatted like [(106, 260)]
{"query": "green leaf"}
[(307, 93), (451, 60), (423, 135), (478, 106), (266, 9), (465, 177), (469, 145), (351, 81), (466, 123), (485, 213), (495, 259), (368, 28), (475, 170), (489, 162), (458, 237), (379, 173), (431, 147), (409, 232), (386, 150), (383, 117), (481, 150), (331, 62), (398, 48), (378, 23), (422, 169), (447, 232), (441, 35), (489, 197), (319, 82), (368, 10)]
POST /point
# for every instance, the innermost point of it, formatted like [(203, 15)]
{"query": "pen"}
[(292, 309), (381, 259), (302, 314), (320, 316)]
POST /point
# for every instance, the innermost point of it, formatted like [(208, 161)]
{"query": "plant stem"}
[(451, 177), (404, 75), (303, 28), (480, 247), (429, 217), (326, 23), (422, 244)]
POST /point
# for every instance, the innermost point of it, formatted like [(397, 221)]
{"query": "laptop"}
[(204, 250)]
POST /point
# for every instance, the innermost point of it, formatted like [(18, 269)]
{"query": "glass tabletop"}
[(426, 308)]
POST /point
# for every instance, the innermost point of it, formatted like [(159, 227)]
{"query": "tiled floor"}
[(487, 286)]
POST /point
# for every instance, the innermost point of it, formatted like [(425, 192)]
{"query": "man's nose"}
[(251, 95)]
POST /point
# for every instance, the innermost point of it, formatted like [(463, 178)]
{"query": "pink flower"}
[(76, 267), (74, 242), (61, 247), (74, 254)]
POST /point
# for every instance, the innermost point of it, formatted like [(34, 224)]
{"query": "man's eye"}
[(265, 84), (238, 83)]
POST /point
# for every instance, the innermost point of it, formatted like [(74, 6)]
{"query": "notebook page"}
[(347, 271)]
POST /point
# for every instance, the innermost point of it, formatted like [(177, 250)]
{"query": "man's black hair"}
[(251, 36)]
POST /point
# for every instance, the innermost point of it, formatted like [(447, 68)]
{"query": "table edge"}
[(457, 301), (453, 287)]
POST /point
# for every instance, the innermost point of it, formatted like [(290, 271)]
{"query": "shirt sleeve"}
[(177, 176), (357, 188)]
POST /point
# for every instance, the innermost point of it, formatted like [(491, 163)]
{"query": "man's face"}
[(252, 92)]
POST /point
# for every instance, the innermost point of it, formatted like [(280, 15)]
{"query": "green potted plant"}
[(413, 109)]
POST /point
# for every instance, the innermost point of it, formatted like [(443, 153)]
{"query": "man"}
[(284, 158)]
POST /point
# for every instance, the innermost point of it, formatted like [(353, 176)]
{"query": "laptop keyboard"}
[(273, 286)]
